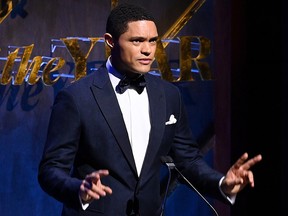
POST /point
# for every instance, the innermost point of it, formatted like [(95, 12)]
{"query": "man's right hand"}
[(92, 188)]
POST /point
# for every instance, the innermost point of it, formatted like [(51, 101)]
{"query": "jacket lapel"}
[(157, 117), (108, 104)]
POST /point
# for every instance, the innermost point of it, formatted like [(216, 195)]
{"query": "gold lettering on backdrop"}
[(182, 20), (33, 78), (22, 72), (80, 60), (204, 51), (51, 67), (186, 58), (5, 9), (6, 73), (162, 62), (25, 71)]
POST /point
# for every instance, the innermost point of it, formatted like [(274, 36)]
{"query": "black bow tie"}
[(138, 84)]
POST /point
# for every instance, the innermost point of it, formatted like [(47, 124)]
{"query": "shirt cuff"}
[(232, 198), (83, 205)]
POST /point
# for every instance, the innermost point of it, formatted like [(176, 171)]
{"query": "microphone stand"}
[(170, 164), (166, 192)]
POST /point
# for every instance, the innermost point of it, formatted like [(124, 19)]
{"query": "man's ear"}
[(109, 40)]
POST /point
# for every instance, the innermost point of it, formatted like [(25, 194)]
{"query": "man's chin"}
[(144, 69), (141, 71)]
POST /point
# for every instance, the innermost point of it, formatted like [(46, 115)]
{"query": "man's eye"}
[(135, 41)]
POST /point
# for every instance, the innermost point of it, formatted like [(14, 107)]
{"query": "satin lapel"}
[(108, 104), (157, 105)]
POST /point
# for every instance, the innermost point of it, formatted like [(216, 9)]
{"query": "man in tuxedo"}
[(109, 130)]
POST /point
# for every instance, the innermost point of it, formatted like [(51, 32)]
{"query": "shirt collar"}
[(114, 75), (112, 70)]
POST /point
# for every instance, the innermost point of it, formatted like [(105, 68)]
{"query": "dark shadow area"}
[(256, 103)]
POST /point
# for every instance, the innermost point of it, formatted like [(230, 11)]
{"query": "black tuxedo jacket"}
[(87, 133)]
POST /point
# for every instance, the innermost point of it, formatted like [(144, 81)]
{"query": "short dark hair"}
[(122, 14)]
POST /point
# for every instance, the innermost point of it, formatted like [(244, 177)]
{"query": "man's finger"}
[(241, 161), (247, 165)]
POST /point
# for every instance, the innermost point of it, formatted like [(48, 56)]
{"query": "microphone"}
[(163, 159), (170, 164)]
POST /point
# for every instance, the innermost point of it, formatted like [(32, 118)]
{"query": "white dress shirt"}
[(135, 111)]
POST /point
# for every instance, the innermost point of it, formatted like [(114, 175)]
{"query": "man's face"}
[(136, 48)]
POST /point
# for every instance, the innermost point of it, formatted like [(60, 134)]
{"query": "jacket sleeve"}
[(60, 150)]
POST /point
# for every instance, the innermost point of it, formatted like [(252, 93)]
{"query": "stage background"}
[(239, 110)]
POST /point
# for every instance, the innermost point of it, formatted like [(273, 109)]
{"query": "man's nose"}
[(146, 48)]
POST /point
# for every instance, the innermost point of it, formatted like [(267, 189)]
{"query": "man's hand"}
[(92, 188), (239, 175)]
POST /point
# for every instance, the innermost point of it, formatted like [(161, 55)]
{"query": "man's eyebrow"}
[(144, 38), (137, 38), (155, 38)]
